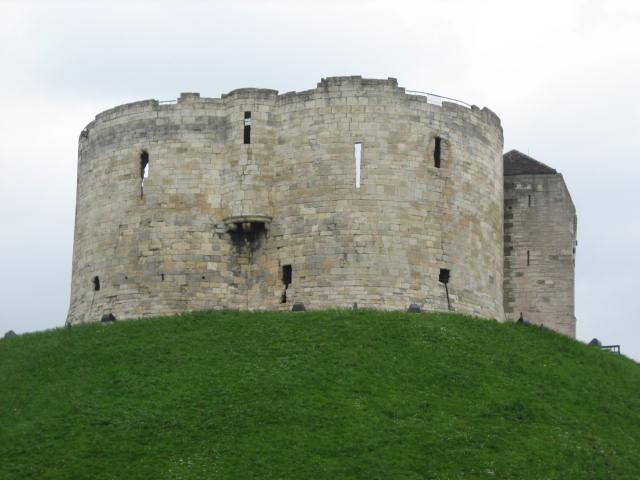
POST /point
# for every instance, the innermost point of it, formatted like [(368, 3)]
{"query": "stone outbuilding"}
[(540, 225)]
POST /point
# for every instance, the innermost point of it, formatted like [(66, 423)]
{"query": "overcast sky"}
[(563, 76)]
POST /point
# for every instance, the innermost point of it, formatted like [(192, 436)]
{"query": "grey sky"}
[(561, 75)]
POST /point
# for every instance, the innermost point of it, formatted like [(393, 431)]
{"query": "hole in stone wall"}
[(96, 283), (529, 201), (287, 276), (528, 257), (357, 153), (436, 153), (444, 278), (248, 234), (162, 276), (144, 170), (247, 128), (444, 275)]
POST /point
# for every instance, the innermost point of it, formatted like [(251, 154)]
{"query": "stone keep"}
[(353, 192)]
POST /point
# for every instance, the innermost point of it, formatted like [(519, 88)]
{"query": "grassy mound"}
[(315, 395)]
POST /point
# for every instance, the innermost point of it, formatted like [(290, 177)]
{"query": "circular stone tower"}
[(354, 192)]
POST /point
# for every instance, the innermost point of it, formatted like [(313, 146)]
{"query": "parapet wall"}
[(219, 223)]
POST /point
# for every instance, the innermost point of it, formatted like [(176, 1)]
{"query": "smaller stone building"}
[(539, 244)]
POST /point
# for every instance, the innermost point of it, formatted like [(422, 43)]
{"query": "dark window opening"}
[(444, 278), (287, 275), (162, 276), (444, 275), (247, 235), (144, 170), (529, 201), (528, 257), (96, 283), (247, 128), (436, 153)]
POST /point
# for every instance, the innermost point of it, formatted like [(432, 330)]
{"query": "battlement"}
[(335, 90), (355, 82)]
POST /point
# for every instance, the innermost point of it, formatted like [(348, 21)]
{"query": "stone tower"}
[(354, 191), (539, 244)]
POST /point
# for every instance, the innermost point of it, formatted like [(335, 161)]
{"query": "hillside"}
[(315, 395)]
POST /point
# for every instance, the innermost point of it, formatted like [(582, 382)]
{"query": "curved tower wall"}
[(219, 220)]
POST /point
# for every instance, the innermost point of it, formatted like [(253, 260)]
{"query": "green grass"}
[(315, 395)]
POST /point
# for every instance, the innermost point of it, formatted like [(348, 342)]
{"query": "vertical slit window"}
[(287, 276), (144, 170), (529, 201), (247, 128), (528, 257), (357, 154), (436, 152), (96, 283)]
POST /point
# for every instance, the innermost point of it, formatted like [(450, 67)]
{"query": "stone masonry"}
[(353, 192), (540, 244)]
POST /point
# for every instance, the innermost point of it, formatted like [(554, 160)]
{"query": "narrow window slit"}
[(436, 153), (529, 201), (357, 153), (247, 128), (162, 277), (144, 170), (287, 276), (96, 283), (528, 257)]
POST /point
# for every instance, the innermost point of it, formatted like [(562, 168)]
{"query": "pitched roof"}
[(517, 163)]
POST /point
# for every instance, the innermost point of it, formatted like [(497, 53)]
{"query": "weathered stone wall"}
[(540, 240), (182, 245)]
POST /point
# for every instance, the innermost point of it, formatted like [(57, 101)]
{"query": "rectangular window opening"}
[(287, 276), (444, 275), (357, 152), (436, 153), (96, 283), (528, 257), (144, 170), (247, 128), (529, 201)]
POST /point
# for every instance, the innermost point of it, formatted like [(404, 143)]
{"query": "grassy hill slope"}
[(315, 395)]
